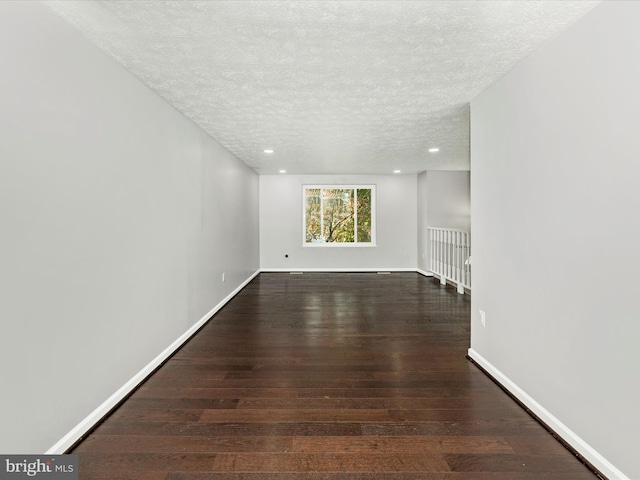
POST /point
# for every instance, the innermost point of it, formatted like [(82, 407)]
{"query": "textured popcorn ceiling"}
[(331, 86)]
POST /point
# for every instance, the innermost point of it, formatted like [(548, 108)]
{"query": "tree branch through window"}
[(339, 214)]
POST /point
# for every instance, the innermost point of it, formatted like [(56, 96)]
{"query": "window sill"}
[(336, 245)]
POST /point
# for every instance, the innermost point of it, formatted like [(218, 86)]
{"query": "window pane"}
[(338, 215), (364, 215), (330, 215), (312, 215)]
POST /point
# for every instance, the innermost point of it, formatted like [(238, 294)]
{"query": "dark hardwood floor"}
[(327, 376)]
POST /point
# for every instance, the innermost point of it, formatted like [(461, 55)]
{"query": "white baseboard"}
[(336, 270), (424, 272), (580, 446), (94, 417)]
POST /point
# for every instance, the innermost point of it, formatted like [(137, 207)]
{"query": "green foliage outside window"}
[(338, 215)]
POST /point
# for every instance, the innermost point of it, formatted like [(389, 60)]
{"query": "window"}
[(339, 215)]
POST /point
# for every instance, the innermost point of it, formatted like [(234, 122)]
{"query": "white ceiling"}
[(330, 86)]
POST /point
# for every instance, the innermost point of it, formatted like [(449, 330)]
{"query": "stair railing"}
[(450, 256)]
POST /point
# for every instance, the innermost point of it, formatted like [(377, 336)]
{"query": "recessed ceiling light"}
[(396, 171), (282, 171), (434, 150), (268, 150)]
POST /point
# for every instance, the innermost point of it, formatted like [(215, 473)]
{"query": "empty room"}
[(236, 239)]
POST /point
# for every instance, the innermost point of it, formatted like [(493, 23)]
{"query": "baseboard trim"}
[(99, 414), (424, 272), (585, 453), (335, 270)]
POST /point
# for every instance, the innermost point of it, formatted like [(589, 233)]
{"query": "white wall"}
[(281, 225), (449, 199), (444, 201), (423, 233), (117, 217), (555, 202)]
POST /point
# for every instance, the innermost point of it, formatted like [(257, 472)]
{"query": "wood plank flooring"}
[(332, 377)]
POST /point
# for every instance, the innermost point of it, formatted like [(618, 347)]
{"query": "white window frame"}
[(355, 243)]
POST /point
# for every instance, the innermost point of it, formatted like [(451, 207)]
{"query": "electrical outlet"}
[(483, 319), (223, 276)]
